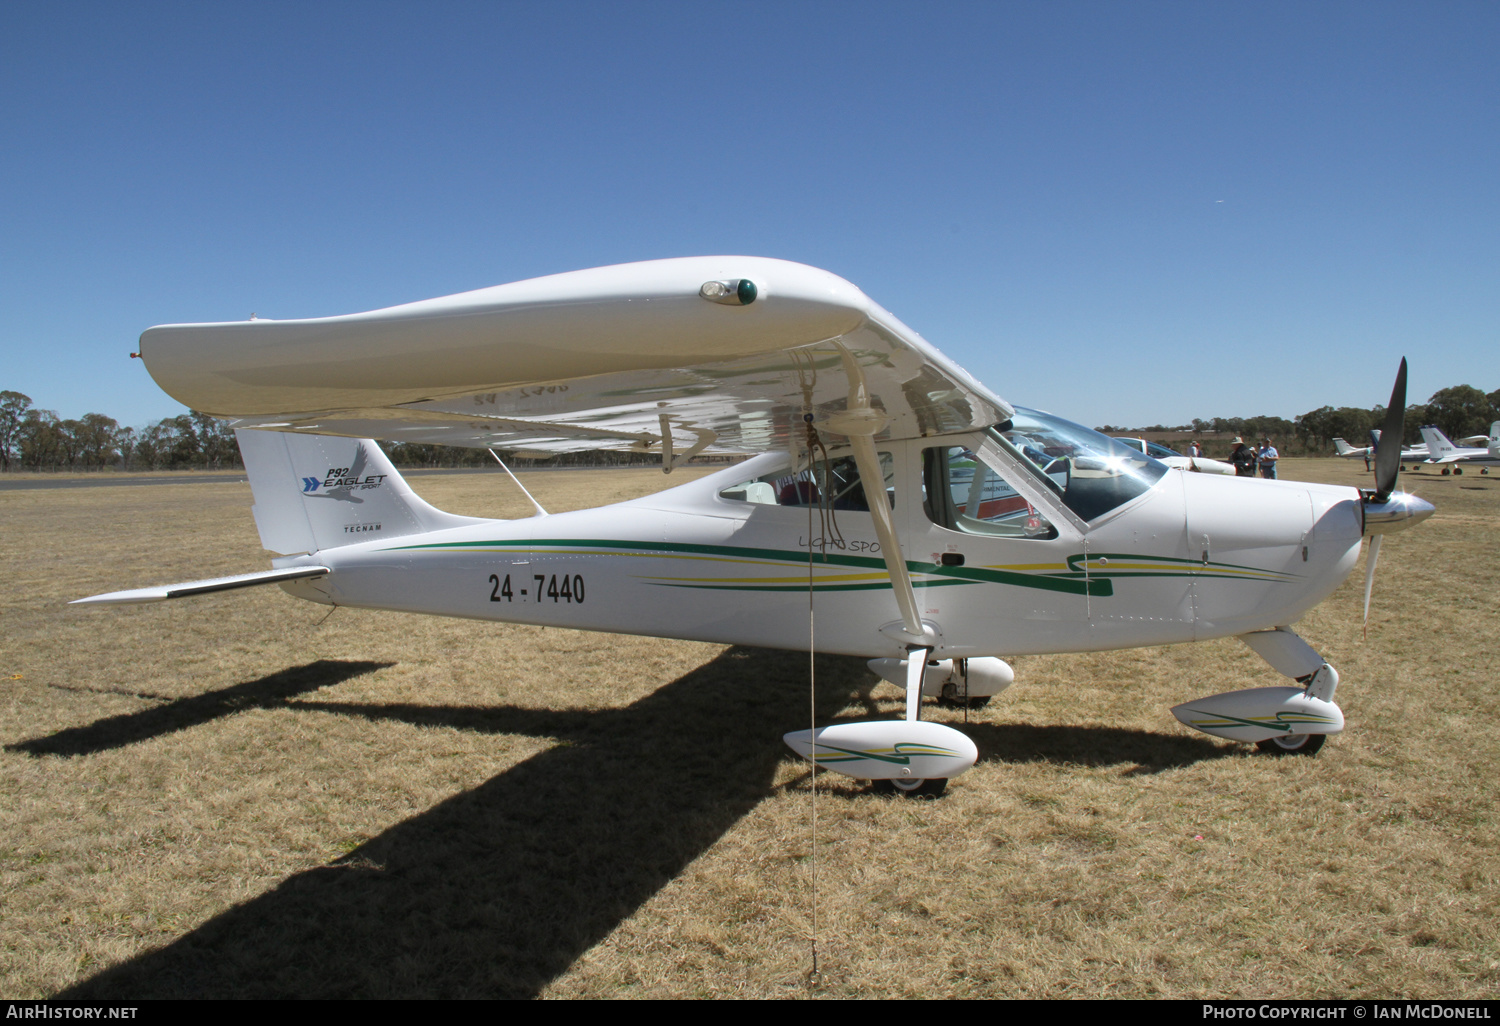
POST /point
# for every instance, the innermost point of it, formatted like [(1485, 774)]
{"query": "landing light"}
[(735, 292)]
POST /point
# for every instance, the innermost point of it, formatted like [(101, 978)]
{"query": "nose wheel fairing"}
[(1261, 714), (1282, 716)]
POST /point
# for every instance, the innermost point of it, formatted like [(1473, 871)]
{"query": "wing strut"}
[(860, 422), (930, 753), (539, 511)]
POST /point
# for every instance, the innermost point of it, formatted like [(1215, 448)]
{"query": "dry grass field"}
[(241, 795)]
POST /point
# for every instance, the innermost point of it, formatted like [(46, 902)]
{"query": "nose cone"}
[(1399, 511)]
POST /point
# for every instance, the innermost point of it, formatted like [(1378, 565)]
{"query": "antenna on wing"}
[(539, 511)]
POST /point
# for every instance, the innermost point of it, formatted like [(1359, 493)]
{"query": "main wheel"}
[(952, 699), (1293, 744), (932, 787)]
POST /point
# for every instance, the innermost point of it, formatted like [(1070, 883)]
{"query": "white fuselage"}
[(1194, 557)]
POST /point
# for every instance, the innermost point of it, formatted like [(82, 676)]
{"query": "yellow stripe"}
[(655, 555), (798, 579)]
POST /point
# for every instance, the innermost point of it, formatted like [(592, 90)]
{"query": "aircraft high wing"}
[(934, 527), (625, 357)]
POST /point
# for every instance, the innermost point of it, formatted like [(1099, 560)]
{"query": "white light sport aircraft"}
[(932, 525), (1454, 457), (1409, 453), (1175, 459)]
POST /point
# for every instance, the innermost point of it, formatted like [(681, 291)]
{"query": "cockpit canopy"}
[(973, 487), (1091, 472)]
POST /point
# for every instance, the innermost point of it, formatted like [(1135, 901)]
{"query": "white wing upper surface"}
[(608, 358)]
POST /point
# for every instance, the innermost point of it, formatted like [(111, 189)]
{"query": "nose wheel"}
[(1293, 744), (932, 787)]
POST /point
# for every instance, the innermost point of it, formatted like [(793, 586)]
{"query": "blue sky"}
[(1123, 212)]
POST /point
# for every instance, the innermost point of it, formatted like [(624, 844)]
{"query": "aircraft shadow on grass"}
[(1145, 752), (181, 713), (497, 891)]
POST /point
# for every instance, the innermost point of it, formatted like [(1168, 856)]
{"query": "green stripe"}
[(1074, 585), (900, 758), (1077, 580), (883, 585), (1284, 720), (1188, 566)]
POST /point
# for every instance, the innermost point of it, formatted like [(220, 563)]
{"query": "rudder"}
[(316, 492)]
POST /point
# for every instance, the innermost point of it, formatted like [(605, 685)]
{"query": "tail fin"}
[(316, 492), (1494, 445), (1439, 449), (1342, 446)]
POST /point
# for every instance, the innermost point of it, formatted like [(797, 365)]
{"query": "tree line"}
[(1456, 411), (33, 439)]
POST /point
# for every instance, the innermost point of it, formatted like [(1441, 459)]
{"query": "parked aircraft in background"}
[(1409, 453), (928, 524), (1454, 458), (1175, 459)]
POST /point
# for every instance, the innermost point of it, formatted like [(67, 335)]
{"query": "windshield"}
[(1092, 473)]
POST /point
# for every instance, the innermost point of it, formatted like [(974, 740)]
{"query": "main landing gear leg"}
[(916, 666)]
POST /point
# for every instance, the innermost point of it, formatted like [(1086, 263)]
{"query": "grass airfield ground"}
[(233, 796)]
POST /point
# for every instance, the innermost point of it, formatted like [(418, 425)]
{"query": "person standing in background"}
[(1243, 458), (1267, 458)]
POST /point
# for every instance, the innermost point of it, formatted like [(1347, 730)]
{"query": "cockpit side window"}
[(964, 492), (835, 483)]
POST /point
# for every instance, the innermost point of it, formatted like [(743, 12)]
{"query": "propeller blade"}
[(1370, 560), (1388, 456)]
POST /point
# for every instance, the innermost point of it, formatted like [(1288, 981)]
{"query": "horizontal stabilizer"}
[(171, 591)]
